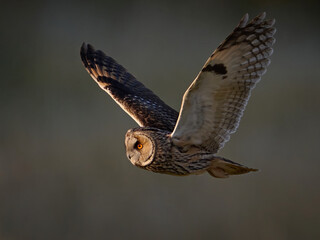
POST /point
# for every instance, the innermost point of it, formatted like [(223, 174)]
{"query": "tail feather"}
[(222, 168)]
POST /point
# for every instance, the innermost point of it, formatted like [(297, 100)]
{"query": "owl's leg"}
[(222, 168)]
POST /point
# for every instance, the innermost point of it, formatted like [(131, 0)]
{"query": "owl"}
[(186, 142)]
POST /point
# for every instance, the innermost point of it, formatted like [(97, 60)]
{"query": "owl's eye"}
[(139, 145)]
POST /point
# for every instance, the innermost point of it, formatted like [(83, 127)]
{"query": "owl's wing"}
[(139, 102), (214, 103)]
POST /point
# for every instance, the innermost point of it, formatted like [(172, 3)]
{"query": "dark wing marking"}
[(139, 102), (214, 103)]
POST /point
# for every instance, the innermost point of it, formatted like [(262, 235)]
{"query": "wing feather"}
[(133, 97), (214, 103)]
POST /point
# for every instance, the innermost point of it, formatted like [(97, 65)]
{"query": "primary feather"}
[(146, 108), (214, 103)]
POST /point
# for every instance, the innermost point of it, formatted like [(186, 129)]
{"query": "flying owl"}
[(187, 142)]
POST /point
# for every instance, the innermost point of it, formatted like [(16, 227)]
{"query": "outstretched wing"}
[(139, 102), (214, 103)]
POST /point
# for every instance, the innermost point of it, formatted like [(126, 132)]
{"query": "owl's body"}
[(162, 156), (187, 142)]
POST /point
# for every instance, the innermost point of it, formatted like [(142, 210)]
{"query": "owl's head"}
[(142, 145)]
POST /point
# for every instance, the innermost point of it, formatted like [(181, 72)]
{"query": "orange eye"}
[(139, 146)]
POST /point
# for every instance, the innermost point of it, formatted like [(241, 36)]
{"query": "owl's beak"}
[(130, 157)]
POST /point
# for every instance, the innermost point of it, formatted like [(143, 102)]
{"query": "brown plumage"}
[(186, 143)]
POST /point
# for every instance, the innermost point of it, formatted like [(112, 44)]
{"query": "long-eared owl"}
[(186, 142)]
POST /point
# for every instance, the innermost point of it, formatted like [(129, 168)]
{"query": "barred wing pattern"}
[(147, 109), (214, 103)]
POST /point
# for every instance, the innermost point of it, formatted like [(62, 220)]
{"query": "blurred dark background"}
[(63, 169)]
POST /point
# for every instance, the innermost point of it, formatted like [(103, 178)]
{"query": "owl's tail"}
[(222, 168)]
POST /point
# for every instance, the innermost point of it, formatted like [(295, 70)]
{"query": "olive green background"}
[(63, 169)]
